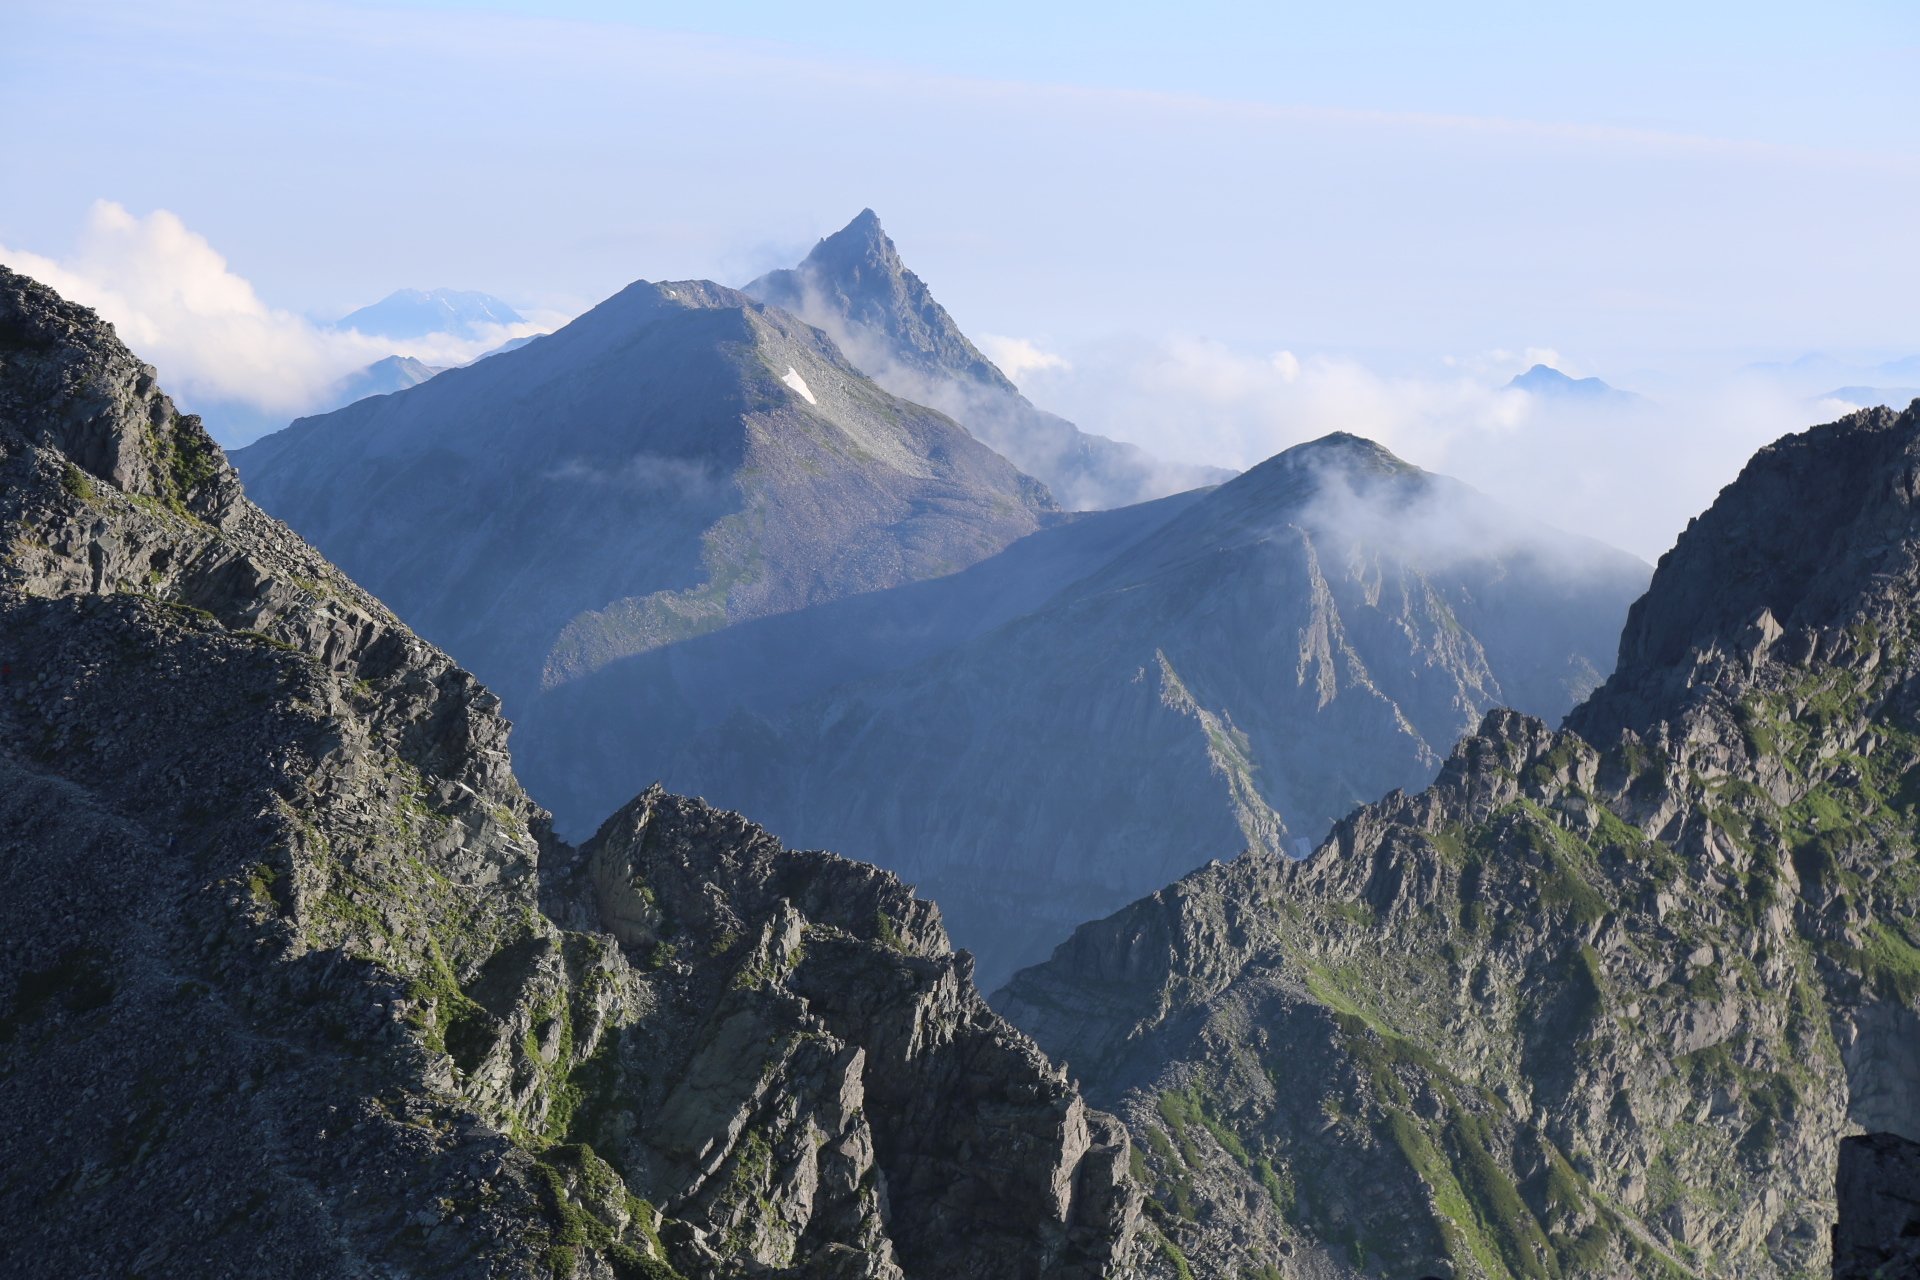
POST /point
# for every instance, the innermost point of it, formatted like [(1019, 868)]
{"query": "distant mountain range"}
[(1315, 632), (855, 286), (415, 313), (686, 539), (1867, 397), (1809, 373), (1545, 380), (382, 377), (678, 459)]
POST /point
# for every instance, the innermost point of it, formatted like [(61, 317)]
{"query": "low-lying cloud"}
[(1630, 475), (219, 348)]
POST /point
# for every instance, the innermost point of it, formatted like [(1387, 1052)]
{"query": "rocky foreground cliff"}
[(295, 982), (1602, 1001)]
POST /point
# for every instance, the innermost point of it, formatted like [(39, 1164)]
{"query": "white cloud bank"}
[(1631, 475), (219, 348), (1017, 357)]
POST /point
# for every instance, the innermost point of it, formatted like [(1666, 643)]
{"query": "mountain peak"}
[(1345, 448), (855, 285), (415, 313), (1545, 380), (1816, 533)]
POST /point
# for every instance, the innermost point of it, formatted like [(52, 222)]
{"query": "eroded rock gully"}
[(295, 981)]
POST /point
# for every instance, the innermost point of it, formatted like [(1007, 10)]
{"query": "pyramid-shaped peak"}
[(862, 241)]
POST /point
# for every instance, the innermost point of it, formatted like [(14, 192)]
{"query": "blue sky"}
[(1410, 202)]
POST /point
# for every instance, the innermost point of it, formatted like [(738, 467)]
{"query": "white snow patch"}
[(798, 383)]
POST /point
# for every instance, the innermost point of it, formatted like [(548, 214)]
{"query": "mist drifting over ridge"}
[(1186, 403)]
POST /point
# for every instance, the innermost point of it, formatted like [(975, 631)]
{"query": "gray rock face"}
[(679, 458), (855, 286), (1877, 1194), (1312, 634), (1595, 1005), (294, 981)]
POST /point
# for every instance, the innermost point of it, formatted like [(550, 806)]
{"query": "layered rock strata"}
[(295, 981), (1601, 1001)]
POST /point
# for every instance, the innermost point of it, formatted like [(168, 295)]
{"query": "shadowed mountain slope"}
[(679, 458), (295, 982), (855, 286), (586, 744), (1599, 1002), (1313, 633)]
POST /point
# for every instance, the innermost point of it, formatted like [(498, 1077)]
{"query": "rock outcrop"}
[(1601, 1001), (1300, 640), (294, 979), (855, 287)]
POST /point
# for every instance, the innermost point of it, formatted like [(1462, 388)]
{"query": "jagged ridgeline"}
[(1600, 1002), (855, 287), (295, 982)]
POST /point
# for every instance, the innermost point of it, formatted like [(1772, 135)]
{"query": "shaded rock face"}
[(294, 981), (1585, 1006), (855, 286), (1306, 637), (586, 746), (679, 458), (1877, 1196)]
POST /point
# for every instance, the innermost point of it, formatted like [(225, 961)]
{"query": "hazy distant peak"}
[(1345, 450), (856, 276), (1868, 397), (415, 313), (1298, 474), (855, 288), (1545, 380)]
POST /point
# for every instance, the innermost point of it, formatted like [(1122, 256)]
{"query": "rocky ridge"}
[(295, 979), (855, 286), (1600, 1001)]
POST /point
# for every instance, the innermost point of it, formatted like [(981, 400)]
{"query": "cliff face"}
[(677, 459), (855, 286), (1589, 1005), (1300, 640), (294, 981)]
